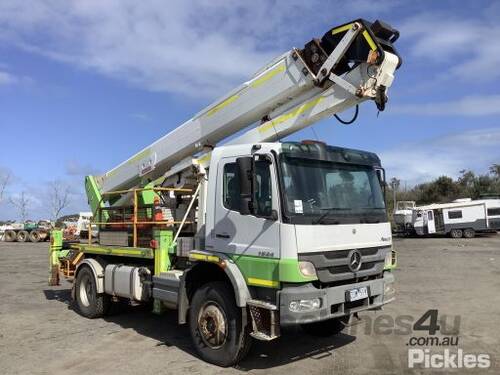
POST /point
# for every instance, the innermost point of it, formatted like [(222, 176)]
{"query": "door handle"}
[(220, 235)]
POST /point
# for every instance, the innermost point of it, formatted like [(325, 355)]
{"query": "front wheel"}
[(90, 303), (215, 324), (326, 328)]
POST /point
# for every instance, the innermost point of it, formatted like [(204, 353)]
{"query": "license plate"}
[(357, 294)]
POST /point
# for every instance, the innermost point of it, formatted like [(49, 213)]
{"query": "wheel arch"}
[(97, 270), (203, 272)]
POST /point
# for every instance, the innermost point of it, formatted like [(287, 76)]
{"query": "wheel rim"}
[(86, 291), (212, 324)]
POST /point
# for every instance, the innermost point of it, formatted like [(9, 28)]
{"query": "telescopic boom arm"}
[(350, 64)]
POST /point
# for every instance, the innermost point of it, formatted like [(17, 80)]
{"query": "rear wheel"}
[(35, 236), (90, 303), (22, 236), (456, 233), (469, 233), (326, 328), (10, 236), (215, 323)]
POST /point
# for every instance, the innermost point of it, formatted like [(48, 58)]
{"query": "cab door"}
[(256, 234), (431, 224)]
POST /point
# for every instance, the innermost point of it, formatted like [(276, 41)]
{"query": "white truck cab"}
[(310, 206)]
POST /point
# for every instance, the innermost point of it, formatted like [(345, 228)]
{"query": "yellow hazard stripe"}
[(263, 282), (296, 112), (212, 258), (370, 41), (266, 77), (141, 155), (205, 158), (206, 258), (366, 34), (342, 28), (223, 104), (197, 256)]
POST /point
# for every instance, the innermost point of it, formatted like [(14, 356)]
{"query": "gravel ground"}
[(41, 334)]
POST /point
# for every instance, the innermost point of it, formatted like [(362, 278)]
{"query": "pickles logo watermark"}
[(423, 358)]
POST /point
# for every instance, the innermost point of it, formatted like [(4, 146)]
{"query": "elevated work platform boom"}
[(350, 64)]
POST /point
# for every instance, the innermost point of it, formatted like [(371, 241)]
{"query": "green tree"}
[(495, 171)]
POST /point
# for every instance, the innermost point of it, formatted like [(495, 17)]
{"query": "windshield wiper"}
[(328, 210)]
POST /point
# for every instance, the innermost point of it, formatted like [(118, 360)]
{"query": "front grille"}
[(332, 266)]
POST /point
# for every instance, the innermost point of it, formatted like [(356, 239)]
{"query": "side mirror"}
[(381, 175), (246, 177)]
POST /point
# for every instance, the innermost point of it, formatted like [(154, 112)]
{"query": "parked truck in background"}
[(245, 237), (402, 217), (28, 231)]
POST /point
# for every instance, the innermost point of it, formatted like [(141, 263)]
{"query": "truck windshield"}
[(324, 192)]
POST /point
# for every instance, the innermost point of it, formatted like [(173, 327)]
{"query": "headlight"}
[(307, 269), (305, 305)]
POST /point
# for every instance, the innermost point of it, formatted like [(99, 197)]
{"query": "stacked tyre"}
[(24, 236), (10, 236)]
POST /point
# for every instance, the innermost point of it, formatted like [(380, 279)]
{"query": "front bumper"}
[(333, 300)]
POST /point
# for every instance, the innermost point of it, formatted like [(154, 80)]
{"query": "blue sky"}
[(86, 84)]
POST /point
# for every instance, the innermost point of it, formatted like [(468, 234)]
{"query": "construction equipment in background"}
[(28, 231), (79, 229), (243, 234)]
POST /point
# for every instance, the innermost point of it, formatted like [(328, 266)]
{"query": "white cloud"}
[(446, 155), (143, 117), (468, 106), (466, 47), (76, 168), (199, 48), (7, 78)]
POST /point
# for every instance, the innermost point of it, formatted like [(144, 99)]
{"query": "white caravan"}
[(460, 218)]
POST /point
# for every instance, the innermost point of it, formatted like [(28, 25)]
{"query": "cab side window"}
[(262, 186), (263, 197), (231, 187)]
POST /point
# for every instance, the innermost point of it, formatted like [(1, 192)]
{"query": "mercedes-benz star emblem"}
[(354, 260)]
